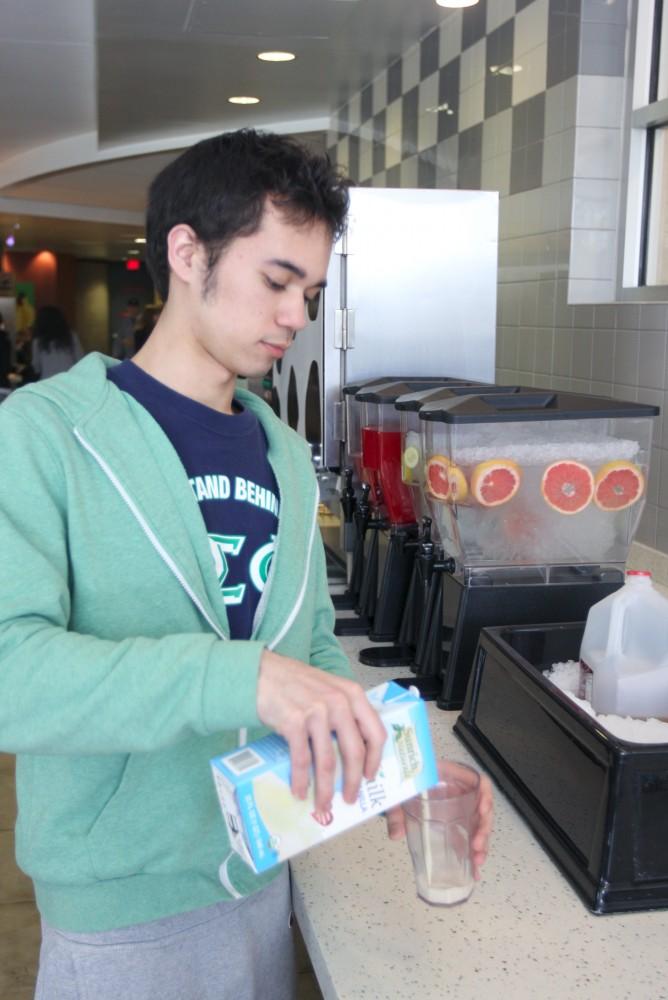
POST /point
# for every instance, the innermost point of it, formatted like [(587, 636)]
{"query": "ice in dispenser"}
[(537, 479), (413, 465), (624, 652)]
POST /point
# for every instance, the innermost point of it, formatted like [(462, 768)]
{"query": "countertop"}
[(523, 934)]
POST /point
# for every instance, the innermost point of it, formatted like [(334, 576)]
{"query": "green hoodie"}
[(118, 679)]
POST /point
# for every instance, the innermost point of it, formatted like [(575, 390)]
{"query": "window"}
[(646, 261)]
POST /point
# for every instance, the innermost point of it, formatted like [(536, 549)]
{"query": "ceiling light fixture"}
[(243, 100), (140, 239), (442, 107), (276, 56), (507, 70), (456, 3)]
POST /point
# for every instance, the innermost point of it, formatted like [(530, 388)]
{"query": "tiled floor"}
[(19, 922)]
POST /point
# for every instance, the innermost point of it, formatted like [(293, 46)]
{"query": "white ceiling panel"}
[(89, 86)]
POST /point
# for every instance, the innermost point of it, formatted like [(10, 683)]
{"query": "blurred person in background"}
[(25, 313), (22, 371), (55, 346), (123, 339)]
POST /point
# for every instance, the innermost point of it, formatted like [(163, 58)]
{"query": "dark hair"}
[(219, 187), (51, 328)]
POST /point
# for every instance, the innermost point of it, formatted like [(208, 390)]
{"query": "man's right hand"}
[(307, 706)]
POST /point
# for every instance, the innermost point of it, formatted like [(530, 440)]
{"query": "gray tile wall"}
[(454, 111)]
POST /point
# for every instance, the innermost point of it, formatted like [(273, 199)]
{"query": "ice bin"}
[(597, 803)]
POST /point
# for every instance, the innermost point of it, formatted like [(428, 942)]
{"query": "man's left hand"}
[(396, 825)]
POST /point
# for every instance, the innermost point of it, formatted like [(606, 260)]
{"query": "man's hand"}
[(396, 826), (307, 706)]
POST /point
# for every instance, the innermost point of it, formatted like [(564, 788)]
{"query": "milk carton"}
[(267, 824)]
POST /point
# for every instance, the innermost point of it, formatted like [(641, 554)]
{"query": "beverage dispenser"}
[(401, 473), (392, 525), (537, 496), (360, 502)]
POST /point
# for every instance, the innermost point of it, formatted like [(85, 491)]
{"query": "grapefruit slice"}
[(438, 481), (495, 481), (567, 486), (618, 485), (459, 488)]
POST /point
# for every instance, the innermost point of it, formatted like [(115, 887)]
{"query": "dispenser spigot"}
[(364, 507), (348, 499)]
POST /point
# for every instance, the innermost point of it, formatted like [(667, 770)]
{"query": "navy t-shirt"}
[(225, 459)]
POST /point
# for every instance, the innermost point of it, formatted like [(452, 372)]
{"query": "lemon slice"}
[(411, 457)]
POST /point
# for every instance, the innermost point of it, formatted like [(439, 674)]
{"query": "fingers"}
[(480, 842), (351, 747), (396, 823), (300, 762), (373, 733), (324, 758), (308, 707)]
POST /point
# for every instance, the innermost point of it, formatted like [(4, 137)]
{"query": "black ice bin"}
[(598, 804)]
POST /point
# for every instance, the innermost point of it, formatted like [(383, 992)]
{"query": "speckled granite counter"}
[(524, 933)]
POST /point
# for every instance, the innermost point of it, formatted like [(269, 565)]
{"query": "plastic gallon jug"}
[(625, 646)]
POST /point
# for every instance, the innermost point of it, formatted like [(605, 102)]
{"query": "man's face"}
[(246, 314)]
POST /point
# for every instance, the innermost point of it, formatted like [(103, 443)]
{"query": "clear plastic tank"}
[(536, 479), (382, 445)]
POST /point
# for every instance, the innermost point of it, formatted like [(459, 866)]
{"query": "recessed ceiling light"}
[(276, 56), (140, 239), (243, 100), (456, 3), (132, 253), (505, 70)]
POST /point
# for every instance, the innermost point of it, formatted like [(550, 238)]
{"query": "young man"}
[(164, 598)]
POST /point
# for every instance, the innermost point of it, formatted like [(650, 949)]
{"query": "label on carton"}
[(267, 824)]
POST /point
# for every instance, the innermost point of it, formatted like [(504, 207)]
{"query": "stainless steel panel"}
[(419, 278)]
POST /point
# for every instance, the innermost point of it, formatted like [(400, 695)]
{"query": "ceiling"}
[(104, 94)]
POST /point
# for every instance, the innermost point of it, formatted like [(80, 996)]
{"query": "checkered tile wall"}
[(527, 97), (477, 83)]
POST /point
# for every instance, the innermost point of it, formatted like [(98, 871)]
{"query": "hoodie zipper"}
[(146, 528), (167, 559)]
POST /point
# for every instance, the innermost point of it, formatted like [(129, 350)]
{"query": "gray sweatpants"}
[(239, 950)]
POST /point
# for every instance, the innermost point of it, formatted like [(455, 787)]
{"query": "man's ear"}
[(184, 253)]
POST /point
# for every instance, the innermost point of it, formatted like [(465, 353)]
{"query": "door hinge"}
[(344, 329)]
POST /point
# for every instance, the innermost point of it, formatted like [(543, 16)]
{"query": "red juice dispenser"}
[(392, 527), (361, 497), (537, 496)]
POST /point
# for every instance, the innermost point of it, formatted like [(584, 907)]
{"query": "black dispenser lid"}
[(354, 387), (413, 381), (537, 405), (416, 400), (389, 392)]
